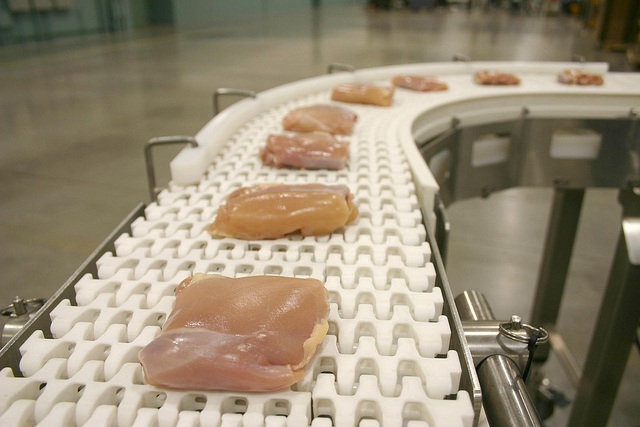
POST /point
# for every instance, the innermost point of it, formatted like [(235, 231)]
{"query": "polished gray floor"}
[(76, 113)]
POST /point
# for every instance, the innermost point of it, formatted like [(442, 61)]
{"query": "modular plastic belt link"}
[(385, 361)]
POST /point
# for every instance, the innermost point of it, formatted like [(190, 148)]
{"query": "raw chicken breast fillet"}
[(324, 118), (419, 83), (247, 334), (494, 78), (363, 94), (579, 77), (271, 211), (317, 150)]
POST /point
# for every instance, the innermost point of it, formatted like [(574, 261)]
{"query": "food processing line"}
[(400, 349)]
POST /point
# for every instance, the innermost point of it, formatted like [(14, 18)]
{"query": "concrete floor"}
[(76, 113)]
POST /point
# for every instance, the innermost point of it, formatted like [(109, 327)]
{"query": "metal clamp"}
[(228, 91), (458, 57), (335, 66), (510, 329), (148, 158)]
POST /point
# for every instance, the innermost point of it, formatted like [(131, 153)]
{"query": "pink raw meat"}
[(247, 334), (324, 118), (363, 94), (419, 83), (316, 150)]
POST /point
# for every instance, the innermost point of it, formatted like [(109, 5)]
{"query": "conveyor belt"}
[(387, 359)]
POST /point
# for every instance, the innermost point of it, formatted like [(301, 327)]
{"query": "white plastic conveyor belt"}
[(386, 359)]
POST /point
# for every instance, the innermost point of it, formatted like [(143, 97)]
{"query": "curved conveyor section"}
[(389, 357)]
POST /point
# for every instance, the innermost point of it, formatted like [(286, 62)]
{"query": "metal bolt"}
[(516, 322), (19, 307)]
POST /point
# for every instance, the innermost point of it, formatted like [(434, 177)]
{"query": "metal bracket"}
[(458, 57), (148, 158), (228, 91), (335, 66)]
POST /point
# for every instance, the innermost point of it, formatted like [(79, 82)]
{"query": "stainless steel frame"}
[(617, 322), (506, 400), (10, 353), (500, 355), (529, 163), (561, 233), (469, 381)]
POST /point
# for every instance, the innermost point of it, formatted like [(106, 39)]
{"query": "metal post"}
[(561, 233), (504, 394), (616, 325)]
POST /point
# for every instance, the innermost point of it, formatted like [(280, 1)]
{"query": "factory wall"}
[(20, 22), (202, 12)]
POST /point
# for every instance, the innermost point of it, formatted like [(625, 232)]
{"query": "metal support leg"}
[(616, 324), (561, 234)]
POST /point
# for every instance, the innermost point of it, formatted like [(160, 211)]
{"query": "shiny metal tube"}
[(473, 305), (504, 394), (485, 340)]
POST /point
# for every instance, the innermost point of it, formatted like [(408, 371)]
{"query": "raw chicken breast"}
[(493, 78), (574, 76), (324, 118), (248, 334), (271, 211), (317, 150), (419, 83), (363, 94)]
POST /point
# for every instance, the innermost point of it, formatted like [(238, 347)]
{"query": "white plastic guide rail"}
[(387, 359)]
